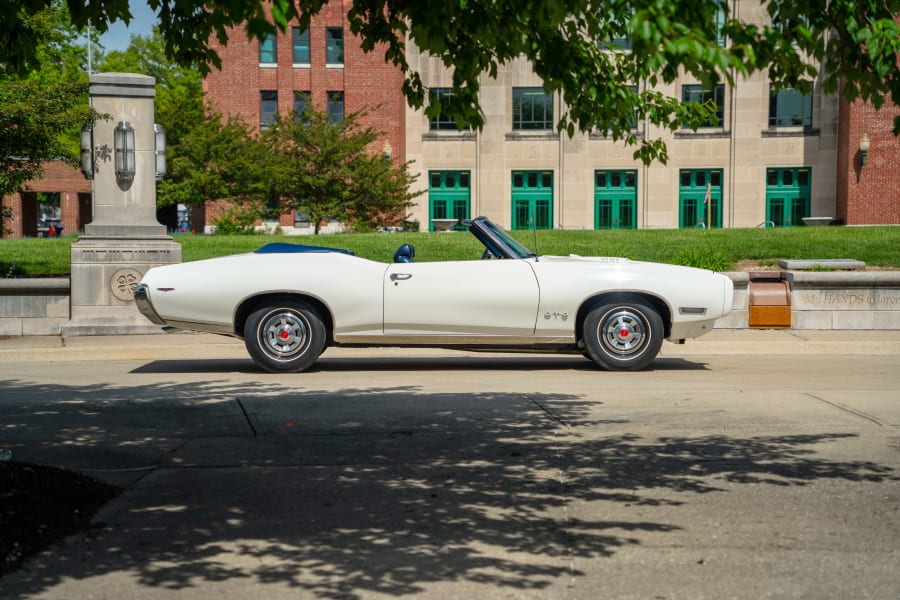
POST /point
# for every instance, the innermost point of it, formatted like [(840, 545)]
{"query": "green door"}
[(787, 196), (615, 199), (700, 198), (532, 199), (449, 196)]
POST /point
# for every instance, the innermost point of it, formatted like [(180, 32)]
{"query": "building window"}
[(335, 106), (789, 108), (268, 107), (334, 46), (791, 25), (697, 93), (620, 36), (633, 122), (720, 19), (441, 122), (532, 109), (301, 103), (532, 200), (300, 41), (267, 50)]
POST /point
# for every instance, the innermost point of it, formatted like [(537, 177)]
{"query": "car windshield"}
[(513, 248), (518, 250)]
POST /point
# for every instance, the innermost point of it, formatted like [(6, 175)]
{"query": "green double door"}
[(532, 199), (787, 196), (700, 198), (615, 199), (449, 196)]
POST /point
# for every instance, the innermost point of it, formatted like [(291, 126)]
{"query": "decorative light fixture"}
[(87, 154), (159, 135), (864, 144), (387, 149), (123, 142)]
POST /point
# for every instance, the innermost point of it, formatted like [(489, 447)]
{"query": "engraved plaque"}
[(123, 283)]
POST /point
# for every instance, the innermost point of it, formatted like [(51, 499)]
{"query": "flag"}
[(707, 205)]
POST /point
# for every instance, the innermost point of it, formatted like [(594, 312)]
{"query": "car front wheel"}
[(624, 336), (284, 338)]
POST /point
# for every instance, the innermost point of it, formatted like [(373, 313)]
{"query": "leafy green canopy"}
[(300, 162), (326, 169), (41, 112), (856, 41), (31, 118)]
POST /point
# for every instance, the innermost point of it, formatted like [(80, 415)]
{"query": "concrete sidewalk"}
[(745, 464)]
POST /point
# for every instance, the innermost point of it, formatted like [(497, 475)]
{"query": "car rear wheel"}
[(625, 336), (288, 337)]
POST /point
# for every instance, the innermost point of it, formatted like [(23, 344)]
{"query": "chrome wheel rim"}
[(624, 332), (285, 334)]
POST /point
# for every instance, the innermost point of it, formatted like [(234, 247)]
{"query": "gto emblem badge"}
[(556, 315)]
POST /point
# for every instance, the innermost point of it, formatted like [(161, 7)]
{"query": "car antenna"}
[(534, 235)]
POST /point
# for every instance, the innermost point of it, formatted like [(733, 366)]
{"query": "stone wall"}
[(33, 306), (866, 300)]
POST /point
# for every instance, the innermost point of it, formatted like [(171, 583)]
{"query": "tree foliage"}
[(219, 158), (41, 112), (325, 170), (31, 119), (856, 41), (179, 89)]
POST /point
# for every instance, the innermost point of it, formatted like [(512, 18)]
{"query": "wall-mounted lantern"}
[(123, 142), (87, 154), (159, 135), (864, 144)]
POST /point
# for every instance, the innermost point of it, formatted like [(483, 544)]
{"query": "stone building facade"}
[(770, 161)]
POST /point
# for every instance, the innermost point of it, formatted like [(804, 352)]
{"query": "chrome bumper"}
[(142, 300)]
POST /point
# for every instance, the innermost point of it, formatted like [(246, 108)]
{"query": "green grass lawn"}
[(720, 249)]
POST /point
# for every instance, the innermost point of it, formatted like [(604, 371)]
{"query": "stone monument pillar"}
[(124, 239)]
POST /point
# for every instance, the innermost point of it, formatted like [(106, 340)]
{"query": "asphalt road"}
[(747, 464)]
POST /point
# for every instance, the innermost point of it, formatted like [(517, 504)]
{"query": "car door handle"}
[(400, 276)]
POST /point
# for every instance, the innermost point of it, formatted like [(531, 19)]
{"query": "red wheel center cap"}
[(284, 334), (623, 332)]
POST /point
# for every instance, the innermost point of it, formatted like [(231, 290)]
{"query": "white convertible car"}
[(289, 302)]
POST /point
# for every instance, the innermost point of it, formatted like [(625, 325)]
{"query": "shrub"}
[(235, 222)]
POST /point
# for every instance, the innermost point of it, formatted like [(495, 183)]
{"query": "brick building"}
[(324, 65), (71, 202), (868, 194)]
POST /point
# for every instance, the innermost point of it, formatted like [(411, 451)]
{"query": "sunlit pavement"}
[(746, 464)]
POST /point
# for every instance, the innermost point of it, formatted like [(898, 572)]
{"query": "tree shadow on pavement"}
[(396, 491)]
